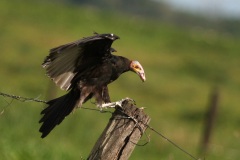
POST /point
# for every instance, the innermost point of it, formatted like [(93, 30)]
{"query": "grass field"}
[(182, 66)]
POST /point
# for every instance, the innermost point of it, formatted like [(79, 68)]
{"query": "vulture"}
[(84, 68)]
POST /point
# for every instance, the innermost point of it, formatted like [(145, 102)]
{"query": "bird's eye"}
[(137, 67)]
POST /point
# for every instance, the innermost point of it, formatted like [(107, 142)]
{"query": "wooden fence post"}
[(122, 133), (210, 120)]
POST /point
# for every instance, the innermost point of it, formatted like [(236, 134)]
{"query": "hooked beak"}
[(136, 67)]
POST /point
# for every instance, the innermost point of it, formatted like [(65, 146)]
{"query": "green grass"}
[(181, 68)]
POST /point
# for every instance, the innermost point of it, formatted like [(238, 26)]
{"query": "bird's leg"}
[(114, 104)]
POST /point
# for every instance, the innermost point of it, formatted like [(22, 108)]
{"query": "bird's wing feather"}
[(60, 66), (65, 61)]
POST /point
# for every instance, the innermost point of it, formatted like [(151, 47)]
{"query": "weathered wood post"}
[(122, 133), (210, 120)]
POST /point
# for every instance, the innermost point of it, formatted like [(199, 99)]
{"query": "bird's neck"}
[(123, 64), (120, 65)]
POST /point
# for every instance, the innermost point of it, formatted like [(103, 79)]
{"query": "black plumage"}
[(84, 68)]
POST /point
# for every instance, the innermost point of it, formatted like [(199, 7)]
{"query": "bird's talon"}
[(130, 99), (119, 103)]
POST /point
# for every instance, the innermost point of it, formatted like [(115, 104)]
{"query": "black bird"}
[(84, 68)]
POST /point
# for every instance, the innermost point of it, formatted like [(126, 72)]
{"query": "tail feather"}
[(57, 110)]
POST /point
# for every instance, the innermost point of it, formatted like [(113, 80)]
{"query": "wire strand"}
[(22, 99), (174, 144)]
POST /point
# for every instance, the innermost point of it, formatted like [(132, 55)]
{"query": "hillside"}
[(164, 13), (181, 65)]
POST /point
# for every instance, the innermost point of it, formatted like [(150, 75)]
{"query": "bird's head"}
[(136, 67)]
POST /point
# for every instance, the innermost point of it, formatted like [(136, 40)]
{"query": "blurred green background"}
[(184, 57)]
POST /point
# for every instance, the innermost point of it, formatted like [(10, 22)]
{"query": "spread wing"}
[(65, 61)]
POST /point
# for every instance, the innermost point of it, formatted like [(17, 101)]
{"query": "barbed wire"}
[(22, 99), (26, 99)]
